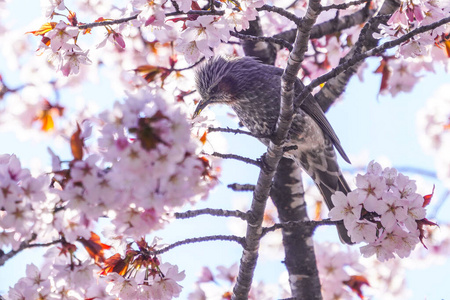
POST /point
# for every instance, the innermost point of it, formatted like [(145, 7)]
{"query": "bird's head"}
[(215, 83)]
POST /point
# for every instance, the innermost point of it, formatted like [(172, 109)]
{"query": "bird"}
[(253, 90)]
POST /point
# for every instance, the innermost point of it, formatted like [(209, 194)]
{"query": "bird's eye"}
[(214, 89)]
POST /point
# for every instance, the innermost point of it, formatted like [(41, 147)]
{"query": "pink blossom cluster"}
[(433, 123), (164, 286), (337, 270), (219, 285), (383, 211), (412, 14), (25, 204), (59, 43), (59, 281), (65, 276), (194, 35), (148, 166)]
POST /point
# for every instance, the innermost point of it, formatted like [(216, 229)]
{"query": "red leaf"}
[(447, 47), (420, 225), (44, 29), (427, 198), (150, 72), (195, 6), (47, 121), (101, 19), (318, 211), (356, 282), (95, 247), (385, 72), (203, 138), (115, 264), (77, 144)]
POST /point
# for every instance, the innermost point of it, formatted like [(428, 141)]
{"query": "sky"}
[(369, 127)]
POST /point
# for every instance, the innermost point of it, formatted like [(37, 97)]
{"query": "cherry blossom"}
[(388, 218), (60, 35), (347, 208), (201, 35), (151, 13), (335, 269), (49, 6), (72, 60)]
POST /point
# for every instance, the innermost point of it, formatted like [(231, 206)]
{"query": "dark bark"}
[(287, 194), (266, 52)]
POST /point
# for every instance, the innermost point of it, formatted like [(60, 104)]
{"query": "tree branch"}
[(253, 38), (212, 212), (344, 5), (311, 225), (190, 67), (237, 157), (273, 155), (264, 51), (198, 13), (282, 12), (235, 131), (229, 238), (330, 26), (373, 52), (287, 194), (107, 23), (25, 245), (228, 129), (241, 187), (336, 86), (127, 19)]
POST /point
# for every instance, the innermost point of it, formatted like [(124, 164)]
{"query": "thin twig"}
[(23, 246), (175, 5), (197, 12), (373, 52), (235, 131), (292, 4), (253, 38), (241, 187), (292, 224), (213, 212), (190, 67), (230, 238), (237, 157), (107, 23), (344, 5), (363, 34), (282, 12)]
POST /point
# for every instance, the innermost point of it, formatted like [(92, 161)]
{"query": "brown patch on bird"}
[(228, 85)]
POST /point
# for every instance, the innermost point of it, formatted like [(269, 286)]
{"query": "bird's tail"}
[(322, 167), (327, 192)]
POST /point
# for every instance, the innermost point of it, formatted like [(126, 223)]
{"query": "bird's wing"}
[(312, 108)]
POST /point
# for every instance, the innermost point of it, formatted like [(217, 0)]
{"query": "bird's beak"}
[(201, 105)]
